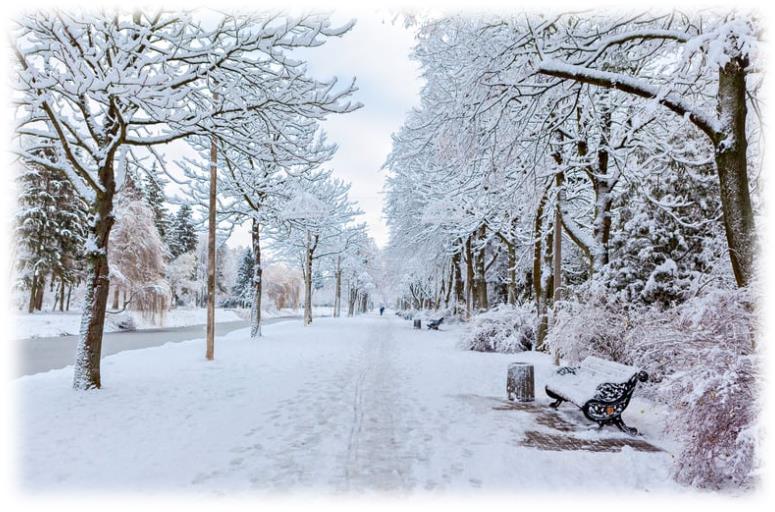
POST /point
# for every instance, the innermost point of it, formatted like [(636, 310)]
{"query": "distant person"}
[(381, 310)]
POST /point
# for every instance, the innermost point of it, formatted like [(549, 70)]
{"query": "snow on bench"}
[(434, 324), (602, 389)]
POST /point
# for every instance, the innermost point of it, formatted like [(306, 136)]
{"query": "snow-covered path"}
[(360, 404)]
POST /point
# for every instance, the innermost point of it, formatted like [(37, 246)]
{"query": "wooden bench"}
[(434, 324), (602, 389)]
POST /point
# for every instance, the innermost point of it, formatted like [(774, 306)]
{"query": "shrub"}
[(701, 361), (503, 329), (593, 325)]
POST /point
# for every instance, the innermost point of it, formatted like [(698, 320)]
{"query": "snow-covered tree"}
[(180, 275), (153, 191), (137, 257), (123, 83), (255, 178), (182, 236), (50, 228), (316, 223), (243, 287), (703, 69)]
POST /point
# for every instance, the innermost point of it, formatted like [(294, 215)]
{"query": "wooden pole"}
[(211, 252)]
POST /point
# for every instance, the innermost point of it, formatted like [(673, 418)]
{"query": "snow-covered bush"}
[(702, 364), (122, 321), (503, 329), (592, 325)]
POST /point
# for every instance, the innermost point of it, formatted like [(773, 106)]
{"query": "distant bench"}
[(434, 324), (602, 389)]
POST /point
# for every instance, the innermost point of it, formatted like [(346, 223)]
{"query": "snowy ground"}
[(46, 324), (358, 404)]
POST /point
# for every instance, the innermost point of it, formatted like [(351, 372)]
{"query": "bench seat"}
[(601, 389)]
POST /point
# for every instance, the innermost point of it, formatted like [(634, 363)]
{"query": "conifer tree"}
[(50, 232), (182, 234), (243, 288), (154, 195)]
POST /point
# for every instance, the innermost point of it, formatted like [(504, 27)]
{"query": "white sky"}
[(376, 52)]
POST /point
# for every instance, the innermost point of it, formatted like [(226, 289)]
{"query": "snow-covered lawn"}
[(347, 404), (46, 324)]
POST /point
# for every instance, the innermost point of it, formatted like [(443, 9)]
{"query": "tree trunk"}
[(469, 257), (33, 294), (351, 302), (115, 297), (86, 373), (557, 267), (732, 166), (458, 277), (538, 274), (602, 223), (61, 296), (211, 252), (480, 299), (511, 290), (69, 292), (308, 287), (449, 287), (255, 310), (39, 293), (557, 248), (338, 288), (603, 184)]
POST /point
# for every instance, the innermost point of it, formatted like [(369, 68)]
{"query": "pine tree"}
[(656, 257), (154, 195), (243, 287), (182, 234), (220, 271), (50, 232)]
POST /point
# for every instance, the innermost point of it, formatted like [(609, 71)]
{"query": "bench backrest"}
[(608, 371)]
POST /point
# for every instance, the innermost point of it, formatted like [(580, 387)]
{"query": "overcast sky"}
[(376, 52)]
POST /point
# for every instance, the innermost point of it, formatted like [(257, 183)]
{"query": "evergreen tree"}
[(220, 272), (49, 232), (182, 234), (667, 237), (154, 195), (243, 287)]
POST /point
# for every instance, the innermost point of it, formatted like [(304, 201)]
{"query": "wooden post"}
[(520, 382), (210, 354)]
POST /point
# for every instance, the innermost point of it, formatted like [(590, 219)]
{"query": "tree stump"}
[(417, 323), (520, 382)]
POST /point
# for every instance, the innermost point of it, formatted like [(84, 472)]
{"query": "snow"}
[(706, 120), (49, 324), (593, 371), (347, 404)]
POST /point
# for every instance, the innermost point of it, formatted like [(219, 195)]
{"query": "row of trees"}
[(99, 95), (550, 151)]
